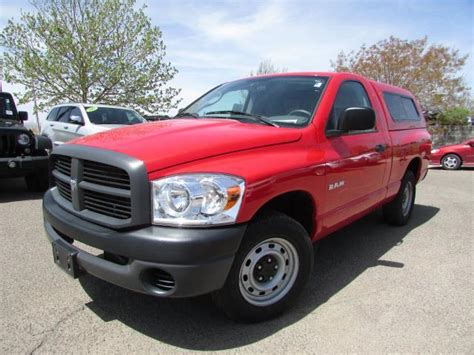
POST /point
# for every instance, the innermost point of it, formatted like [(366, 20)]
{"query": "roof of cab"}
[(382, 86), (390, 88)]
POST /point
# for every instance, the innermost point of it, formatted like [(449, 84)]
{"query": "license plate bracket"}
[(66, 258)]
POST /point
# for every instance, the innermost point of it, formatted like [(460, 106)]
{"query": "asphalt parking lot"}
[(375, 288)]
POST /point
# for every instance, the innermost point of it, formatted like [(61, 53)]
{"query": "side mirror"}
[(75, 119), (23, 115), (357, 119)]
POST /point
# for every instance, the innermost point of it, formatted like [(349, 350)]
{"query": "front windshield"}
[(280, 100), (7, 107), (112, 115)]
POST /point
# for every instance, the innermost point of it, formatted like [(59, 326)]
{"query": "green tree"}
[(267, 67), (454, 116), (94, 51), (433, 73)]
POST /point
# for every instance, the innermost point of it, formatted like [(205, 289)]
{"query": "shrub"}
[(455, 116)]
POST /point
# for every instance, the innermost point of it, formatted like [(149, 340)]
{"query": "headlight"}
[(23, 139), (197, 199), (434, 151)]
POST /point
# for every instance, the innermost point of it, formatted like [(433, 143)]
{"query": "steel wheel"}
[(268, 272), (407, 198), (398, 211)]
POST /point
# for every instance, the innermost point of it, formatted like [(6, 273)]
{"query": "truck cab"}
[(229, 197)]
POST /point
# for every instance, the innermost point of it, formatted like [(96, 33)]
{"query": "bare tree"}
[(266, 66)]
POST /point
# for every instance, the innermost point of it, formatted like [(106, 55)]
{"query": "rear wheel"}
[(270, 269), (399, 210), (451, 162), (38, 181)]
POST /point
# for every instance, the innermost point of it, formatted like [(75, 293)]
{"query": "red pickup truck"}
[(228, 197)]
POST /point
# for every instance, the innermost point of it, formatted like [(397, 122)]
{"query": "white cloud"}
[(221, 25), (228, 40)]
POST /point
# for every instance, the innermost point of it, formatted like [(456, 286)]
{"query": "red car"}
[(452, 157), (228, 197)]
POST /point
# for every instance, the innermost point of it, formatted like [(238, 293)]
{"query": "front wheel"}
[(270, 269), (451, 162)]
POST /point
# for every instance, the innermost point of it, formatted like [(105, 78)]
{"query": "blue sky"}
[(211, 42)]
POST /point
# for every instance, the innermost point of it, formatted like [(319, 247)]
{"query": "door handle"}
[(66, 127), (380, 148)]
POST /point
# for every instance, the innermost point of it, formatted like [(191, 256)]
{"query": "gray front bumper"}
[(199, 260)]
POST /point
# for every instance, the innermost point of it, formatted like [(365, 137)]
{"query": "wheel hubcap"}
[(450, 162), (407, 198), (268, 272)]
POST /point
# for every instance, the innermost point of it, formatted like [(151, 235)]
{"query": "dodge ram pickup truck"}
[(228, 197)]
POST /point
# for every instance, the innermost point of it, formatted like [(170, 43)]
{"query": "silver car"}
[(68, 121)]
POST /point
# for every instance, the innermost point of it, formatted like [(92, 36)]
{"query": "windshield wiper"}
[(257, 117), (186, 114)]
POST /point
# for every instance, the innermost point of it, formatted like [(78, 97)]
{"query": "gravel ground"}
[(375, 288)]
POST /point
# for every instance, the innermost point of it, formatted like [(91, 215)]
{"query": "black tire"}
[(451, 162), (399, 210), (233, 298), (38, 181)]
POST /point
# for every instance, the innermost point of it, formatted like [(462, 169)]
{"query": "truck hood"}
[(167, 143)]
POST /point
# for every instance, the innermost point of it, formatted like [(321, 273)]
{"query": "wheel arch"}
[(297, 204), (415, 167)]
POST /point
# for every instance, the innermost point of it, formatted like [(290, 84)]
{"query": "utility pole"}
[(1, 73)]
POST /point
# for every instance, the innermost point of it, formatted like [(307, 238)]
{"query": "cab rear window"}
[(401, 108)]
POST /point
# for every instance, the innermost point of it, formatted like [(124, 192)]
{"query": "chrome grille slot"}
[(105, 175), (109, 205), (7, 145), (63, 164), (64, 189)]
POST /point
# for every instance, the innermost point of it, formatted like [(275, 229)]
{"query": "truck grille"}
[(63, 164), (87, 186), (105, 175), (113, 206), (64, 189), (7, 145)]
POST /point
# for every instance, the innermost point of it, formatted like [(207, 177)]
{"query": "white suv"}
[(69, 121)]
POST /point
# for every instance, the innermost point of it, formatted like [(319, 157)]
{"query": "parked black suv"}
[(22, 153)]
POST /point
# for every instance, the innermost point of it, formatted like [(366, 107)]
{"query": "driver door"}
[(357, 161)]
